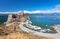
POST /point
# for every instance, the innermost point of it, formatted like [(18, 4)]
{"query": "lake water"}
[(45, 19)]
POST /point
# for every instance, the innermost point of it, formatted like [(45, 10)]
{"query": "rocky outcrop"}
[(14, 21), (9, 18), (20, 17)]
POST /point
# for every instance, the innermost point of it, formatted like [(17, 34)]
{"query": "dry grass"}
[(18, 35)]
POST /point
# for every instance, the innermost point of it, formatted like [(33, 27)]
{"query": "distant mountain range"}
[(55, 14)]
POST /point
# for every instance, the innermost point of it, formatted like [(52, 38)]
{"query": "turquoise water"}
[(3, 18), (45, 19)]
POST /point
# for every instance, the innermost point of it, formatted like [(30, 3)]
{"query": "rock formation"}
[(14, 19), (9, 18), (20, 17)]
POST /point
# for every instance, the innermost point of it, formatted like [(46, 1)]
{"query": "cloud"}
[(36, 11), (8, 12), (56, 9)]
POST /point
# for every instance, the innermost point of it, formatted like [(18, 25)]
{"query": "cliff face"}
[(21, 17), (14, 21), (9, 18)]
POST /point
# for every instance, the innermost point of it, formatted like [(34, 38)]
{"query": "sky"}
[(30, 6)]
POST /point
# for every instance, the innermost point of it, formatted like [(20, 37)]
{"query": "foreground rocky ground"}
[(8, 33)]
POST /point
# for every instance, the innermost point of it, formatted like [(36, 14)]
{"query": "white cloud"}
[(8, 12), (56, 9), (37, 11)]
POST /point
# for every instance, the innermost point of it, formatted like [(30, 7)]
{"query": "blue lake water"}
[(38, 19), (45, 19), (3, 18)]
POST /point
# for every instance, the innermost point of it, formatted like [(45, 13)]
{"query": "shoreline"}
[(55, 36)]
